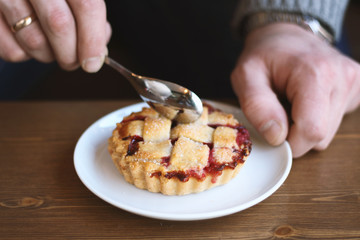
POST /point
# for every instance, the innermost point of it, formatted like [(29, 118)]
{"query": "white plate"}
[(263, 173)]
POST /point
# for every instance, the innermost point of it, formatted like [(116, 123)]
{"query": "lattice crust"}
[(156, 129), (152, 151), (131, 128), (197, 133), (188, 154), (225, 137), (159, 155)]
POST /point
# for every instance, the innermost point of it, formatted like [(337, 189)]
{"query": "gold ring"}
[(23, 23)]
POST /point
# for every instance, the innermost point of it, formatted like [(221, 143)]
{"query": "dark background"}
[(187, 42)]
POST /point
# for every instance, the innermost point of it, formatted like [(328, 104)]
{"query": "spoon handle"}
[(121, 69)]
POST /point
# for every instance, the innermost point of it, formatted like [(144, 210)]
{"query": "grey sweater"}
[(328, 12)]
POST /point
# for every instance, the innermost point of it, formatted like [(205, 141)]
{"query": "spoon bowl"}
[(169, 99)]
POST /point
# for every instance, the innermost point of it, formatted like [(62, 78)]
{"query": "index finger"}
[(90, 17)]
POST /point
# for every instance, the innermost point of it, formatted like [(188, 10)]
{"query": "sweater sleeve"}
[(328, 12)]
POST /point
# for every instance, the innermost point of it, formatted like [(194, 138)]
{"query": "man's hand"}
[(282, 62), (72, 32)]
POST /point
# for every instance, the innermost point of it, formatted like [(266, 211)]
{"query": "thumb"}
[(258, 101)]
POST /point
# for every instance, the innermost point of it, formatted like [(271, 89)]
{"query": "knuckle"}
[(34, 40), (324, 72), (248, 64), (244, 69), (312, 68), (59, 21), (310, 73), (352, 72), (316, 131), (322, 64)]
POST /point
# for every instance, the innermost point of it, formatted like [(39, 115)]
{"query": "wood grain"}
[(41, 196)]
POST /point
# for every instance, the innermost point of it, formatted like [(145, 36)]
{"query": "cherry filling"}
[(213, 168), (210, 145), (173, 141), (134, 144), (183, 176), (243, 137), (174, 123), (165, 161)]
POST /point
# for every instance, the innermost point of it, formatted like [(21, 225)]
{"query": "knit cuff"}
[(329, 12)]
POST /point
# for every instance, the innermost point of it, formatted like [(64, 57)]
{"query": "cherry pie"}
[(160, 155)]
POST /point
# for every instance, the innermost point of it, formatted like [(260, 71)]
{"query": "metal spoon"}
[(169, 99)]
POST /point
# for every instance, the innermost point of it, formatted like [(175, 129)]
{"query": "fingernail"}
[(93, 64), (272, 132)]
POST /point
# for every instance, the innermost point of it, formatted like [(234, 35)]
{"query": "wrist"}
[(261, 19)]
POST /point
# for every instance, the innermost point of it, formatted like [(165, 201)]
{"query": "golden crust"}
[(198, 133), (218, 117), (188, 154), (156, 129), (175, 160), (225, 137), (127, 129), (153, 150)]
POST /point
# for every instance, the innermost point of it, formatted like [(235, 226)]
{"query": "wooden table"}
[(41, 197)]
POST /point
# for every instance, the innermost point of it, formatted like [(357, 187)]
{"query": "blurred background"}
[(187, 42)]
